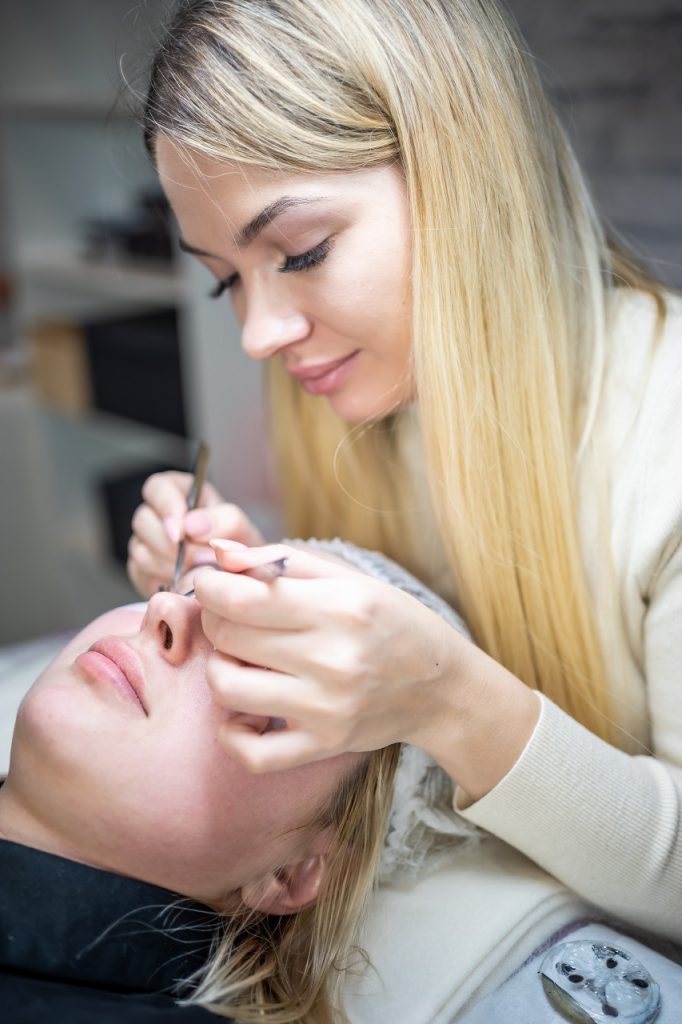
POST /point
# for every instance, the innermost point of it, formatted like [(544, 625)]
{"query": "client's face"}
[(116, 762)]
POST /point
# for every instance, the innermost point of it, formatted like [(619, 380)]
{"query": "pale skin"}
[(143, 787), (353, 664)]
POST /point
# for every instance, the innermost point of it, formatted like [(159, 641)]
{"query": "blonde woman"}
[(467, 374)]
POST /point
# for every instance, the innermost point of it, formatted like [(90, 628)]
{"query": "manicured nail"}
[(198, 523), (172, 529), (226, 545)]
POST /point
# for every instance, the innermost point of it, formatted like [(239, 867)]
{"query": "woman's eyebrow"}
[(254, 227)]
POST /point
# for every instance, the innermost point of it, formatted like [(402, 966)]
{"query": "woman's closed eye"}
[(293, 264)]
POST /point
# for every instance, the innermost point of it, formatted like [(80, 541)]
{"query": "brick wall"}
[(614, 70)]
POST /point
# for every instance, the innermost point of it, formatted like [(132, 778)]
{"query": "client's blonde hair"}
[(290, 968)]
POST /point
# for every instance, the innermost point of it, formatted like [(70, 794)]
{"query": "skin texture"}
[(354, 664), (155, 795), (357, 300)]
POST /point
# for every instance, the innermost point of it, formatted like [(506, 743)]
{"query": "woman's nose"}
[(174, 623), (270, 326)]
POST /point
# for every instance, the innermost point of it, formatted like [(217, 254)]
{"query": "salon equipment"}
[(601, 974), (199, 473), (597, 981)]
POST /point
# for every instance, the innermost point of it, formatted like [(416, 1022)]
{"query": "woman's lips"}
[(111, 661), (325, 378)]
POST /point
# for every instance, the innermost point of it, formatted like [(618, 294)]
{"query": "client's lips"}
[(124, 665)]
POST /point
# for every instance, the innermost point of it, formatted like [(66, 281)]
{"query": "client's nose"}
[(174, 622)]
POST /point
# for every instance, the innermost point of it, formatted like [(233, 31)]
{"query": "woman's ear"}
[(288, 889)]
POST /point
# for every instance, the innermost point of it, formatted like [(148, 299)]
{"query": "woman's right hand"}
[(162, 520)]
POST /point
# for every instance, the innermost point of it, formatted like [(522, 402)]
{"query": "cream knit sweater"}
[(607, 823), (576, 821), (585, 823)]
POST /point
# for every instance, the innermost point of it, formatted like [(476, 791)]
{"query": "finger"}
[(250, 689), (223, 520), (198, 558), (147, 563), (167, 493), (285, 651), (301, 564), (145, 584), (281, 604), (139, 580), (273, 751), (198, 555), (150, 531)]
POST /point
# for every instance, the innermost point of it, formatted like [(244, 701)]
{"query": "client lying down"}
[(143, 871), (146, 875)]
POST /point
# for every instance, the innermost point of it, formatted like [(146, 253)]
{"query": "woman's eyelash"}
[(222, 286), (305, 261)]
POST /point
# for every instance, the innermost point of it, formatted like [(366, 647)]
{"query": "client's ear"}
[(288, 889)]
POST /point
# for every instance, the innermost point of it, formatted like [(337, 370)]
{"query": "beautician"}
[(467, 374)]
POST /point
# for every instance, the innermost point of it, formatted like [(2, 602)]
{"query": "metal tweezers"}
[(199, 473), (267, 572)]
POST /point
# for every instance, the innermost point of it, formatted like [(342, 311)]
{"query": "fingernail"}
[(226, 545), (172, 529), (198, 523)]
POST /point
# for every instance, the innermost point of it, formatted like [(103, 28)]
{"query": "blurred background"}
[(112, 364)]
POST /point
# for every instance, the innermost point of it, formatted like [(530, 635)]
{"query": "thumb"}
[(300, 564), (225, 521)]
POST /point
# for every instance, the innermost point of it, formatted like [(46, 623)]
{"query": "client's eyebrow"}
[(254, 227)]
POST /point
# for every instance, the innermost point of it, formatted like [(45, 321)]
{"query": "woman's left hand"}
[(347, 663)]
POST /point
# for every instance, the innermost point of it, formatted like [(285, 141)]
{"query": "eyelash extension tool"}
[(267, 572), (199, 473)]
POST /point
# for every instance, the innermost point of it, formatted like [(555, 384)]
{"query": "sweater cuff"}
[(603, 822), (538, 778)]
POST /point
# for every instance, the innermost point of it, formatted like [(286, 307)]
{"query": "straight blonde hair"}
[(510, 272)]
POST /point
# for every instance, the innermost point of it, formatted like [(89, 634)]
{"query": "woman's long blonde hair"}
[(510, 274), (510, 270)]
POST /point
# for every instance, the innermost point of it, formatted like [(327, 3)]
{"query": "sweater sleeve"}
[(606, 823)]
